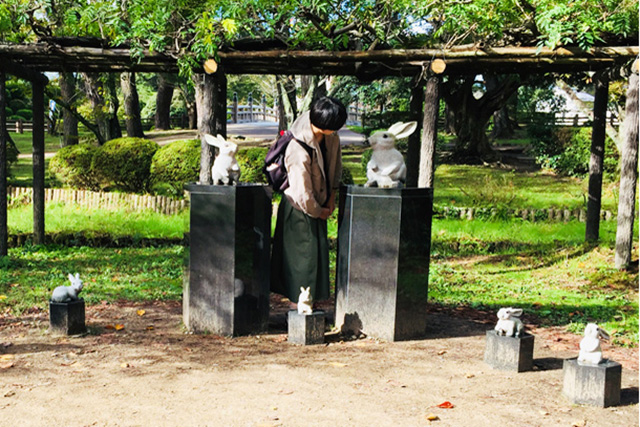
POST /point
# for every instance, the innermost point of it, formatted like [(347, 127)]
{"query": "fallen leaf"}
[(446, 405), (544, 413), (6, 365), (432, 417), (441, 352), (3, 297), (6, 357), (125, 365), (10, 393), (109, 327), (579, 424), (119, 327), (150, 328), (140, 312), (338, 364), (470, 375)]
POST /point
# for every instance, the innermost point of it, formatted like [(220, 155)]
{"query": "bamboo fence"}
[(102, 200)]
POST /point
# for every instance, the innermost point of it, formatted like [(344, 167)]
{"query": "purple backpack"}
[(274, 168)]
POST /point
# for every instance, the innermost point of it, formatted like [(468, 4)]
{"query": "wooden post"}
[(628, 175), (413, 151), (429, 132), (38, 162), (594, 201), (235, 107), (264, 108), (3, 168), (250, 107)]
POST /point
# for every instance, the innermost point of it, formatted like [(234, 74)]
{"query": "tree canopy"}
[(193, 31)]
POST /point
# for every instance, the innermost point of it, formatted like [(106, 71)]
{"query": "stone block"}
[(509, 353), (596, 385), (384, 243), (227, 288), (306, 329), (67, 318)]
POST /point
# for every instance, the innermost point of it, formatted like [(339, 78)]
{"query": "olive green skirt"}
[(300, 254)]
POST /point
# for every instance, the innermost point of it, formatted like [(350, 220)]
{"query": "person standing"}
[(300, 253)]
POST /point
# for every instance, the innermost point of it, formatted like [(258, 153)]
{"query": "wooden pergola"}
[(426, 65)]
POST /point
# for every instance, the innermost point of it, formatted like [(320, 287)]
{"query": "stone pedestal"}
[(596, 385), (306, 329), (67, 318), (509, 353), (229, 248), (384, 241)]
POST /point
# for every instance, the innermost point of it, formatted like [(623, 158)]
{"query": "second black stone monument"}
[(384, 242), (227, 292)]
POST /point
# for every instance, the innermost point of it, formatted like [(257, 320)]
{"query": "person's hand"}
[(325, 213)]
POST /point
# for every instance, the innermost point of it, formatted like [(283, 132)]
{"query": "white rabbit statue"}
[(68, 293), (387, 168), (590, 351), (225, 169), (509, 323), (305, 301)]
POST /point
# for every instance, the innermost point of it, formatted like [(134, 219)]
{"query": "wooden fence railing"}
[(94, 199)]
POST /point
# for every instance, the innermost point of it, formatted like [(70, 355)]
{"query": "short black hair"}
[(328, 113)]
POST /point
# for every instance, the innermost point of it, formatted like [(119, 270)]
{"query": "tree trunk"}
[(189, 99), (413, 149), (133, 120), (429, 132), (69, 120), (289, 101), (163, 102), (594, 200), (115, 131), (502, 124), (211, 103), (38, 162), (282, 114), (4, 248), (94, 89), (628, 176), (449, 119), (471, 116)]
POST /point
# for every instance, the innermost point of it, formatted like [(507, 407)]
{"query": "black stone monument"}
[(227, 291), (67, 318), (596, 385), (509, 353), (384, 242), (306, 329)]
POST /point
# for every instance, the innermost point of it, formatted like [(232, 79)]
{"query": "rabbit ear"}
[(212, 140), (226, 143), (72, 278), (301, 289), (603, 334), (402, 130), (517, 312)]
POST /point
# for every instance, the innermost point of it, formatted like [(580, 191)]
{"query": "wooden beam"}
[(369, 64), (22, 72)]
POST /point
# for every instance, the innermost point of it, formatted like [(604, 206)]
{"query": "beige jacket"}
[(307, 186)]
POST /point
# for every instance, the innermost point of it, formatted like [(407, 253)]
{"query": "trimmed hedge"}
[(125, 163), (174, 165), (71, 165), (251, 162)]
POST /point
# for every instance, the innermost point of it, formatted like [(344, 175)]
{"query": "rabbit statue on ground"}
[(590, 351), (509, 323), (225, 169), (386, 168), (305, 301), (68, 293)]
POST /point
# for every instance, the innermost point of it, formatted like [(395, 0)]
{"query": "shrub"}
[(174, 165), (25, 114), (251, 162), (568, 150), (125, 163), (71, 165)]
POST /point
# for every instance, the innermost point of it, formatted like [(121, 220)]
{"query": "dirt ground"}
[(138, 367)]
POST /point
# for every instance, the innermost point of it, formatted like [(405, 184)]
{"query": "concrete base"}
[(596, 385), (509, 353), (306, 329), (67, 318)]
